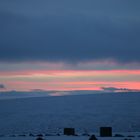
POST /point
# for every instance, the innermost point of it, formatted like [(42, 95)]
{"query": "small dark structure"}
[(93, 138), (23, 135), (39, 138), (69, 131), (118, 135), (106, 131), (130, 136), (31, 135), (40, 135), (12, 135)]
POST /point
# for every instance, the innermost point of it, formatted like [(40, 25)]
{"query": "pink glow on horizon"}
[(65, 72), (64, 86), (70, 79)]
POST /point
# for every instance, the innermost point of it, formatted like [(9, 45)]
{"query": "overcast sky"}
[(69, 35)]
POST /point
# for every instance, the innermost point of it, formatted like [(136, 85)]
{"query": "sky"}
[(69, 45)]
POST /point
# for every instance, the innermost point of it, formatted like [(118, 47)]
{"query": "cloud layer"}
[(69, 44), (70, 32), (114, 89), (2, 86)]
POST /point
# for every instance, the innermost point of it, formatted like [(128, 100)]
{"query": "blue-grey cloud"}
[(69, 31), (115, 89), (2, 86)]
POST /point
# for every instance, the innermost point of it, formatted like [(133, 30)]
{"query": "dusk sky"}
[(69, 45)]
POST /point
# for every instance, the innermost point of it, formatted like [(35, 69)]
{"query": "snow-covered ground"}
[(70, 138), (85, 113)]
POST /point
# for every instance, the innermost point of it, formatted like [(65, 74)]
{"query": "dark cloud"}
[(70, 31), (114, 89), (38, 90), (2, 86)]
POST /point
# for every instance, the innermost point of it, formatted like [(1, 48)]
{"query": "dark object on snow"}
[(93, 138), (40, 135), (106, 131), (130, 136), (22, 135), (118, 135), (127, 139), (12, 135), (49, 135), (39, 138), (69, 131), (31, 135), (85, 134), (57, 134)]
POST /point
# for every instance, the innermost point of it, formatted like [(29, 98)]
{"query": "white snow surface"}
[(85, 113)]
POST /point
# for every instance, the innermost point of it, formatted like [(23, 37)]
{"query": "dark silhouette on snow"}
[(69, 131), (118, 135), (39, 138), (93, 137), (106, 131)]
